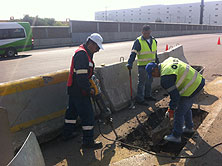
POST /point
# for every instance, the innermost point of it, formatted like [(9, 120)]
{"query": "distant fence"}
[(51, 36), (123, 31), (78, 31), (94, 26), (49, 32)]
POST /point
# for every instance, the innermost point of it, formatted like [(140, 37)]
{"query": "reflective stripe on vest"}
[(80, 71), (146, 55), (87, 127), (70, 121), (190, 83), (83, 71), (188, 79), (147, 52), (145, 60)]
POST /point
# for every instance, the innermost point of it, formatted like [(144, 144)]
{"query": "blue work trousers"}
[(144, 84), (183, 115), (82, 107)]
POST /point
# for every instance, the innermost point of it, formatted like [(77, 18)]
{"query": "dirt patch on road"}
[(142, 135)]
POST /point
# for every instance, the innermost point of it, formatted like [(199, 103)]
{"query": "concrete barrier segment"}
[(34, 100), (115, 83), (175, 51), (37, 121), (33, 82), (30, 153), (6, 149)]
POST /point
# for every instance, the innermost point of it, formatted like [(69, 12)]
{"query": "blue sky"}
[(73, 9)]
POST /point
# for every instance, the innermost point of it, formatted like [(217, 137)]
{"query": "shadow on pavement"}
[(197, 148), (71, 152), (206, 99), (14, 57), (213, 157)]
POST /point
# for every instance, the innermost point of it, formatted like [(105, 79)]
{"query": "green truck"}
[(15, 37)]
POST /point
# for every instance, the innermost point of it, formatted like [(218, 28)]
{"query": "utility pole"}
[(209, 19), (106, 13), (201, 11)]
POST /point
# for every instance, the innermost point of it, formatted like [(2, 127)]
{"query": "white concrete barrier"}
[(115, 83), (30, 153)]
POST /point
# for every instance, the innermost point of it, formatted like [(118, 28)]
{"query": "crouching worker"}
[(183, 83), (79, 92)]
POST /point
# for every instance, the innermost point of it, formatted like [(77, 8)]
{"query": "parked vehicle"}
[(15, 37)]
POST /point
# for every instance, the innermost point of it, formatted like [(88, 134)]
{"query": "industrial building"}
[(178, 13)]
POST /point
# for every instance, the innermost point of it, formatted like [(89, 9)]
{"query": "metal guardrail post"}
[(6, 150)]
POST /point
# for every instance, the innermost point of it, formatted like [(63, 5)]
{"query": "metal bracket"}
[(121, 58)]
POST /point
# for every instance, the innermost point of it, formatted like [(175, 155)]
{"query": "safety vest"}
[(188, 79), (145, 55), (72, 68)]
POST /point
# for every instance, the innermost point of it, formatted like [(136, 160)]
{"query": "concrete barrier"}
[(35, 104), (6, 149), (38, 104), (30, 153)]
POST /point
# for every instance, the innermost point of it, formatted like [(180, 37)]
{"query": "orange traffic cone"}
[(218, 42), (167, 47)]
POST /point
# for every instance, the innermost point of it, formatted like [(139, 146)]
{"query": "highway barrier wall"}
[(35, 104), (38, 103), (51, 36), (78, 31), (123, 31)]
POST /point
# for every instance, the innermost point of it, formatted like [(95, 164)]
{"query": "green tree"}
[(36, 21)]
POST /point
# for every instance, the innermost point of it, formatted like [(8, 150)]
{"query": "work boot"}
[(144, 103), (69, 136), (150, 98), (93, 145), (172, 138), (188, 131)]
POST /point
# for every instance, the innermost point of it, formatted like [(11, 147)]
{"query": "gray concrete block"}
[(30, 153)]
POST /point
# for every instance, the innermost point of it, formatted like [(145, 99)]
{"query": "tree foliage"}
[(36, 21)]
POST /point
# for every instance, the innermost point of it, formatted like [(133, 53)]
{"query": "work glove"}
[(169, 114), (129, 66)]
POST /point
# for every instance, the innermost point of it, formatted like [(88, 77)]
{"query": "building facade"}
[(179, 13)]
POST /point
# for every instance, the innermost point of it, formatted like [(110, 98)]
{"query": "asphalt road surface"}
[(198, 49)]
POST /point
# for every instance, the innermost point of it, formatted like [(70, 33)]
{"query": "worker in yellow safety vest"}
[(145, 48), (183, 83)]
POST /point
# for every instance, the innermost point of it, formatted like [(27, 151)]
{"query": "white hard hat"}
[(97, 38)]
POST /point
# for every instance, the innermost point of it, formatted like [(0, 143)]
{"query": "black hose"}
[(156, 154)]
